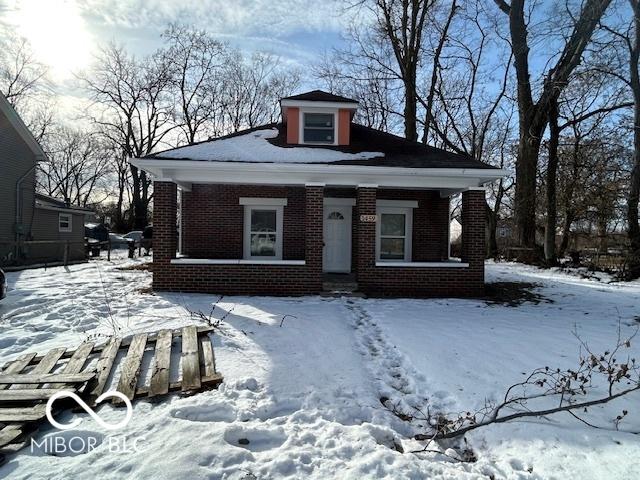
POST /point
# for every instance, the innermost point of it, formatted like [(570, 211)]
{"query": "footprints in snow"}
[(398, 381), (255, 439), (260, 413)]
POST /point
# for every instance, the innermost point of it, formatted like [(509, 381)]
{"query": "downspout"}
[(19, 206)]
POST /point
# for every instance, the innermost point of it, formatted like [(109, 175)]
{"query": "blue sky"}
[(66, 34)]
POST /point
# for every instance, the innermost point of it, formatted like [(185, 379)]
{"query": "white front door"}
[(337, 239)]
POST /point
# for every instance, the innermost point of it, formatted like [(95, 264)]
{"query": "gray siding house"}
[(33, 228)]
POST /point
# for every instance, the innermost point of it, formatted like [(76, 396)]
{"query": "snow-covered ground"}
[(307, 394)]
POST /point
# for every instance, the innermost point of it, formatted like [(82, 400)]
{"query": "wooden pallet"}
[(28, 382)]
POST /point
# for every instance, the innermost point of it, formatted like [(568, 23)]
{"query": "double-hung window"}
[(263, 230), (318, 128), (394, 234), (64, 222)]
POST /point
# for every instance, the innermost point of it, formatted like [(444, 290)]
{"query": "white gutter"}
[(204, 165), (186, 172)]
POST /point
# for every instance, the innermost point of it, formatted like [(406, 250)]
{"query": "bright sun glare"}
[(57, 33)]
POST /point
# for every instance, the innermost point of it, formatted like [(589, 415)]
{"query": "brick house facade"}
[(252, 221)]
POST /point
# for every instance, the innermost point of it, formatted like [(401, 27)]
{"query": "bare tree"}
[(364, 82), (22, 75), (25, 84), (252, 88), (624, 67), (534, 115), (402, 23), (132, 108), (634, 190), (76, 168), (195, 61)]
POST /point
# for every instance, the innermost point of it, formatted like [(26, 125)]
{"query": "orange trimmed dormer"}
[(318, 118)]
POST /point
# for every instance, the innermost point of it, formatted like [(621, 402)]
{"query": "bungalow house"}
[(34, 228), (281, 209)]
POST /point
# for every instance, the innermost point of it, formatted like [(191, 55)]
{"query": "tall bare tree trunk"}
[(525, 198), (552, 170), (533, 116), (633, 263)]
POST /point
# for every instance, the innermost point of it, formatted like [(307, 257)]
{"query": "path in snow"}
[(401, 387)]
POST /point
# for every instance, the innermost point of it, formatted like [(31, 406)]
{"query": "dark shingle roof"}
[(396, 151), (320, 96)]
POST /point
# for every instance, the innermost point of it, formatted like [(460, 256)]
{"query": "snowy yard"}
[(307, 394)]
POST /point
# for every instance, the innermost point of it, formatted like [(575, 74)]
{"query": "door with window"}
[(337, 239)]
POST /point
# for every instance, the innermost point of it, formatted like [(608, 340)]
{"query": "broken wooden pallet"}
[(28, 382)]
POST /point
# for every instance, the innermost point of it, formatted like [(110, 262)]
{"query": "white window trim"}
[(69, 217), (261, 201), (332, 111), (408, 230), (247, 231)]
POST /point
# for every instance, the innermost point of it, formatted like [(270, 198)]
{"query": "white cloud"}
[(242, 17)]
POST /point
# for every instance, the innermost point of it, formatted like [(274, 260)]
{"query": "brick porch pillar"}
[(366, 232), (164, 231), (314, 195), (473, 234)]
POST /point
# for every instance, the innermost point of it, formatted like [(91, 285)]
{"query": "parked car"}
[(3, 285), (118, 241), (136, 236), (97, 231)]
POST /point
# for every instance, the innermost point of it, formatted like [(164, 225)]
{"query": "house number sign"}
[(368, 218)]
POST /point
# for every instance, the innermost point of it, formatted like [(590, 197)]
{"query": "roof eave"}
[(23, 131), (284, 103), (187, 172)]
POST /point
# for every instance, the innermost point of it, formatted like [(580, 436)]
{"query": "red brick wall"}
[(213, 220), (204, 233), (213, 228), (424, 281), (164, 221), (430, 222)]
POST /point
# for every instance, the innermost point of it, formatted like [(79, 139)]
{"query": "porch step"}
[(340, 287)]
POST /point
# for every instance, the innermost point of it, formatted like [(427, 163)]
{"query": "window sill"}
[(215, 261), (450, 264)]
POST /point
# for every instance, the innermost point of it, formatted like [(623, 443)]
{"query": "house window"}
[(394, 234), (64, 222), (263, 232), (319, 128)]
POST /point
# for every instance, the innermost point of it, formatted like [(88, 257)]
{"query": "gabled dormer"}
[(318, 118)]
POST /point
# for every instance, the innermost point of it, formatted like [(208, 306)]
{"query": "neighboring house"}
[(33, 228), (281, 208)]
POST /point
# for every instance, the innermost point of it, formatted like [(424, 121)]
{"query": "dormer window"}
[(318, 118), (319, 128)]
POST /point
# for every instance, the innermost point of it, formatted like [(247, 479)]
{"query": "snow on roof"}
[(255, 147)]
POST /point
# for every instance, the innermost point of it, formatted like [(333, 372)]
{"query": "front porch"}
[(286, 239)]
